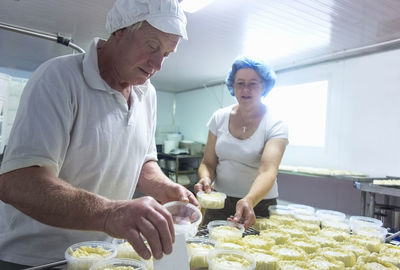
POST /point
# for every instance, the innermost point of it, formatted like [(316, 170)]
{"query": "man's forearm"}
[(50, 200), (152, 181)]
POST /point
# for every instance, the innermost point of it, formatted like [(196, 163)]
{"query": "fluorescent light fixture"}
[(192, 6)]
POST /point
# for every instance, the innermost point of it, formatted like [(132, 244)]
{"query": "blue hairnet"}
[(263, 70)]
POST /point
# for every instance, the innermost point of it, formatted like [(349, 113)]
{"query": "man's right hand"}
[(145, 217)]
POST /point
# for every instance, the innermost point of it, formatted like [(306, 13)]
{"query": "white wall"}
[(363, 114), (165, 115), (194, 108)]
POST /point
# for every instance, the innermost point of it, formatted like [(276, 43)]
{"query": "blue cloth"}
[(263, 70)]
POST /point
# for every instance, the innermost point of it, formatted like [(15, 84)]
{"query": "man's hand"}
[(145, 217), (177, 192)]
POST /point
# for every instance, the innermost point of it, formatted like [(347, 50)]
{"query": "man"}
[(83, 139)]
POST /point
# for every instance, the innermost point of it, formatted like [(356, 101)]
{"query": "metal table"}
[(370, 189)]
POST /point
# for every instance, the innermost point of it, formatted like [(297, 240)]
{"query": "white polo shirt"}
[(70, 120)]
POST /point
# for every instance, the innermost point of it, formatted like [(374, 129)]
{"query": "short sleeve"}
[(212, 124), (279, 130), (40, 134)]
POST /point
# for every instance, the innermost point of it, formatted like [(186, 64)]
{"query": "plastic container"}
[(308, 219), (361, 221), (118, 264), (325, 215), (186, 216), (302, 209), (213, 200), (126, 251), (198, 249), (336, 224), (280, 210), (225, 230), (221, 259), (372, 231), (81, 256)]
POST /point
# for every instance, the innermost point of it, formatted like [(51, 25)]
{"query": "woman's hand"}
[(244, 214), (204, 184)]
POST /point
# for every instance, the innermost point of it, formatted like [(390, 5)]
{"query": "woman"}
[(244, 148)]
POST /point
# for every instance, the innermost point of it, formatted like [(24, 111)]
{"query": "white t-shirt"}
[(239, 160), (70, 120)]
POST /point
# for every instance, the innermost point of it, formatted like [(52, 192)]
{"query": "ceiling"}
[(286, 33)]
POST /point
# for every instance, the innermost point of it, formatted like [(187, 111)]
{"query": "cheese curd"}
[(282, 219), (373, 262), (82, 256), (390, 250), (294, 232), (125, 250), (198, 250), (308, 246), (310, 228), (264, 261), (231, 245), (258, 242), (278, 236), (358, 250), (324, 241), (338, 235), (325, 263), (288, 252), (294, 265), (372, 244), (265, 223), (390, 259), (347, 257), (219, 259), (89, 252)]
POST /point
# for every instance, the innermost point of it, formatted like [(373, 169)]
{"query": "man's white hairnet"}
[(165, 15)]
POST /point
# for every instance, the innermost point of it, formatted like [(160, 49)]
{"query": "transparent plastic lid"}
[(186, 216), (302, 209), (280, 210), (361, 221), (330, 215)]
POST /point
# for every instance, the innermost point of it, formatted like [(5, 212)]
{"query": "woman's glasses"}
[(251, 85)]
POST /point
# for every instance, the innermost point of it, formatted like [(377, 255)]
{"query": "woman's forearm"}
[(206, 172), (260, 187)]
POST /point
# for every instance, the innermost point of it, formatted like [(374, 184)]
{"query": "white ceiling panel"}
[(284, 32)]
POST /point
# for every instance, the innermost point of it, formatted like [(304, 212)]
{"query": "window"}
[(303, 108)]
